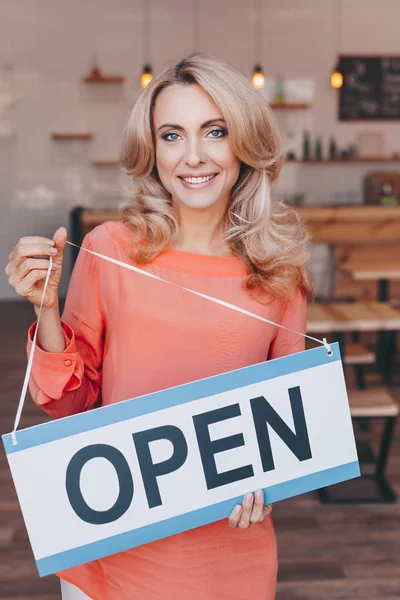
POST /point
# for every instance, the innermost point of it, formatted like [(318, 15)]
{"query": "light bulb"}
[(147, 76), (258, 78), (336, 79)]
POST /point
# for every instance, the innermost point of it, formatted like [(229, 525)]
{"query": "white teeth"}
[(197, 179)]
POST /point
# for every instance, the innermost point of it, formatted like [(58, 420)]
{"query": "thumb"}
[(60, 240), (267, 510)]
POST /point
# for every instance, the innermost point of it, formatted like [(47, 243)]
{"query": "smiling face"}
[(194, 159)]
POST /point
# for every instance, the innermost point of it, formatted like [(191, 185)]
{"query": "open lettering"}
[(264, 417)]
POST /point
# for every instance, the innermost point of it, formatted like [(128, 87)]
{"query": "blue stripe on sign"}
[(195, 390), (197, 518)]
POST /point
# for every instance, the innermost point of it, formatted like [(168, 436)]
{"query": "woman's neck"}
[(202, 233)]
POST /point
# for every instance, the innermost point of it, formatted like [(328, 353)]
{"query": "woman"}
[(203, 149)]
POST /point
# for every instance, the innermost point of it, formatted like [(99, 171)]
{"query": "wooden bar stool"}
[(373, 403), (357, 356), (366, 405)]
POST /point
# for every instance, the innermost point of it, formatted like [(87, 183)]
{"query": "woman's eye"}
[(223, 132), (167, 135)]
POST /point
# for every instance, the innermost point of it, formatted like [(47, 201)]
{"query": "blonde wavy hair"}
[(265, 233)]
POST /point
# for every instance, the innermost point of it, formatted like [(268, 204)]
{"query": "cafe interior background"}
[(69, 73)]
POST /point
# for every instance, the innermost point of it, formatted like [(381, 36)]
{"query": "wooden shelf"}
[(289, 106), (104, 79), (105, 163), (96, 76), (328, 161), (60, 136)]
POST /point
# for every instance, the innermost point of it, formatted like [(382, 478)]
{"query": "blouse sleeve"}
[(69, 382), (294, 317)]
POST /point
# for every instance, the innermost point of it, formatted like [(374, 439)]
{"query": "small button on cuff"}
[(68, 362)]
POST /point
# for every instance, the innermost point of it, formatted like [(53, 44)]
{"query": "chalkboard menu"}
[(371, 88)]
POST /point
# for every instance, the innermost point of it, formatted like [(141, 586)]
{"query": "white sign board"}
[(119, 476)]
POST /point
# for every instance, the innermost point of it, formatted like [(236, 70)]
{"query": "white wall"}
[(50, 44)]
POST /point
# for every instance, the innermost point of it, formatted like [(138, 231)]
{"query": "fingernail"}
[(53, 250), (50, 242), (237, 509), (248, 497), (259, 494)]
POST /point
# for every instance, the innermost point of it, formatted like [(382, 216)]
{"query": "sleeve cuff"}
[(54, 361)]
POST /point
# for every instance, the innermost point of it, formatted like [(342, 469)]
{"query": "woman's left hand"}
[(252, 510)]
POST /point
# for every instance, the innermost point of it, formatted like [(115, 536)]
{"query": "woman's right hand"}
[(28, 266)]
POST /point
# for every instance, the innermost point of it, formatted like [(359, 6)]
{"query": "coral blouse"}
[(129, 335)]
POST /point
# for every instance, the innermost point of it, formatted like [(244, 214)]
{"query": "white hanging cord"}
[(147, 274), (29, 367), (216, 300)]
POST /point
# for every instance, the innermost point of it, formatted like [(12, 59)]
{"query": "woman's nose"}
[(194, 152)]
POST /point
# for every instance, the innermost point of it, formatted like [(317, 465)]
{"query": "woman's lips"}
[(193, 186)]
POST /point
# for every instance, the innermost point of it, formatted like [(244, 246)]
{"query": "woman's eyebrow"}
[(202, 126)]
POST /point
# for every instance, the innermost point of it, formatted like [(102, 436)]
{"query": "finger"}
[(235, 516), (21, 274), (27, 265), (267, 510), (36, 239), (258, 505), (31, 241), (22, 251), (26, 287), (247, 504)]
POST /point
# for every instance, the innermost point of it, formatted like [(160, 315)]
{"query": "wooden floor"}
[(325, 552)]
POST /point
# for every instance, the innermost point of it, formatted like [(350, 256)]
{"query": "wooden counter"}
[(352, 224), (358, 234), (353, 316), (353, 231), (361, 270)]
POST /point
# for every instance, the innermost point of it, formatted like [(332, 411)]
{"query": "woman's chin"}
[(197, 201)]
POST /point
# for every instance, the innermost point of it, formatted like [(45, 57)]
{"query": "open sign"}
[(120, 476), (264, 415)]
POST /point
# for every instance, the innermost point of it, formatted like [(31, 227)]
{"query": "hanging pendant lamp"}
[(258, 79), (147, 73), (336, 75)]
